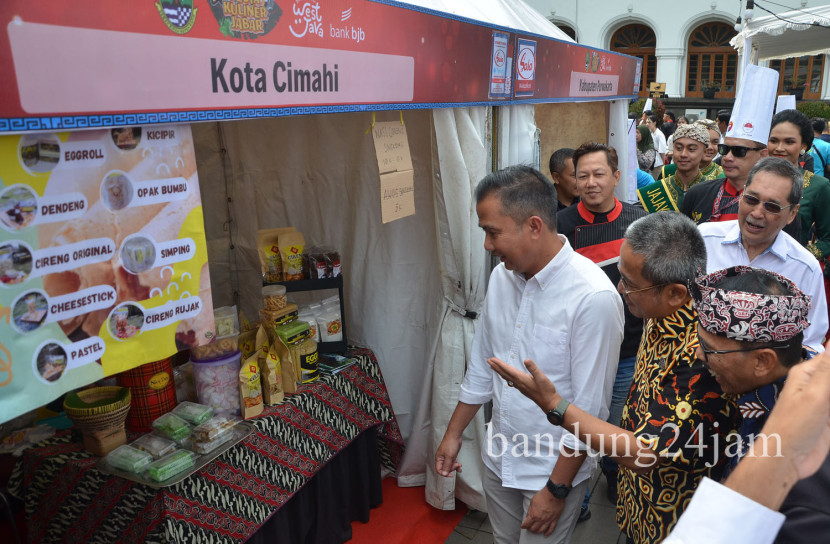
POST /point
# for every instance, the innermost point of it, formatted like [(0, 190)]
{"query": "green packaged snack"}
[(128, 459), (172, 426), (193, 413), (293, 331), (170, 465)]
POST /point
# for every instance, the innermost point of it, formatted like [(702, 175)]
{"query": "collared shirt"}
[(659, 140), (568, 318), (785, 256), (719, 515), (599, 237), (676, 408)]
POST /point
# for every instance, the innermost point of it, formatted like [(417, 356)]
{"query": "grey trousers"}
[(507, 508)]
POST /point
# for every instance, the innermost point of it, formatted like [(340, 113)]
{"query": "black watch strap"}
[(560, 491)]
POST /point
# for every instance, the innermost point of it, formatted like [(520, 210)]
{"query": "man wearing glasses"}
[(767, 205), (675, 421), (750, 332), (744, 144)]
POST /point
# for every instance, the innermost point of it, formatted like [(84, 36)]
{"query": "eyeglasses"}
[(771, 207), (707, 352), (627, 292), (738, 151)]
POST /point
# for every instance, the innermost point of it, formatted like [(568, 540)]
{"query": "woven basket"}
[(99, 413)]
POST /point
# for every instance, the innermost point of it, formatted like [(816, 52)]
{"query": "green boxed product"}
[(193, 413), (293, 331), (172, 426), (128, 459), (170, 465)]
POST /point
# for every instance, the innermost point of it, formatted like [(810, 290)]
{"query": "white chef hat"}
[(754, 105)]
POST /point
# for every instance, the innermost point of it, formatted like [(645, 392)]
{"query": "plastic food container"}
[(157, 446), (274, 297), (193, 413), (217, 383), (170, 465), (172, 426), (226, 320), (129, 459), (214, 427), (213, 433), (218, 347)]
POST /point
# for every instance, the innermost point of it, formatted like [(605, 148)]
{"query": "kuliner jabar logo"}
[(178, 15), (247, 19)]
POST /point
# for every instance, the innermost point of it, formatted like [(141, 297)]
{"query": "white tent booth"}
[(413, 286), (790, 34)]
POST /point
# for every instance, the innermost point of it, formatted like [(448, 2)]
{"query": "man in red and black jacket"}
[(595, 228)]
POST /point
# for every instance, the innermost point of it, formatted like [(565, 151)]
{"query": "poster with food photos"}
[(103, 260)]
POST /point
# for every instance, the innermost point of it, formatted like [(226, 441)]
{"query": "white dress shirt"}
[(785, 256), (719, 515), (568, 318), (659, 140)]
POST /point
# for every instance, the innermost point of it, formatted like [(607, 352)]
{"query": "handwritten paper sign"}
[(391, 147), (397, 179), (397, 195)]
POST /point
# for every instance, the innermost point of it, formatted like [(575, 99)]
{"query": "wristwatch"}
[(559, 491), (557, 415)]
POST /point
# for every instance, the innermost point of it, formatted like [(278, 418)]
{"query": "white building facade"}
[(684, 44)]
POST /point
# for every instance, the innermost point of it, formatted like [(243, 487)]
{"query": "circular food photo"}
[(116, 190), (18, 207), (39, 153), (126, 320), (29, 311), (126, 138), (138, 254), (51, 361), (15, 263)]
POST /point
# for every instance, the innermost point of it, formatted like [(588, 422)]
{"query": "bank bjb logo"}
[(178, 15)]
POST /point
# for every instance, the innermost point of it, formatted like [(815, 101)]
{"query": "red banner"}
[(73, 65)]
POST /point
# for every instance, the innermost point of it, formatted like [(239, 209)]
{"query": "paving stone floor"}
[(475, 527)]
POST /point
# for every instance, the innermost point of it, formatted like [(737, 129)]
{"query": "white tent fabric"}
[(510, 13), (463, 143), (790, 34)]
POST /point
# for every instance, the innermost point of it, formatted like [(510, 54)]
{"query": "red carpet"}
[(405, 517)]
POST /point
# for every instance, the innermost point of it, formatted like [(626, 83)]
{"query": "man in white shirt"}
[(770, 202), (548, 303), (660, 145)]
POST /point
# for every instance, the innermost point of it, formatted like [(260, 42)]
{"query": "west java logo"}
[(527, 63), (499, 58), (247, 19), (307, 19), (178, 15)]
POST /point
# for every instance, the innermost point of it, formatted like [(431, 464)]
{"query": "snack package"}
[(172, 426), (157, 446), (129, 459), (272, 378), (193, 413), (247, 343), (290, 376), (269, 252), (292, 245), (250, 388), (268, 369), (208, 446), (170, 465)]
